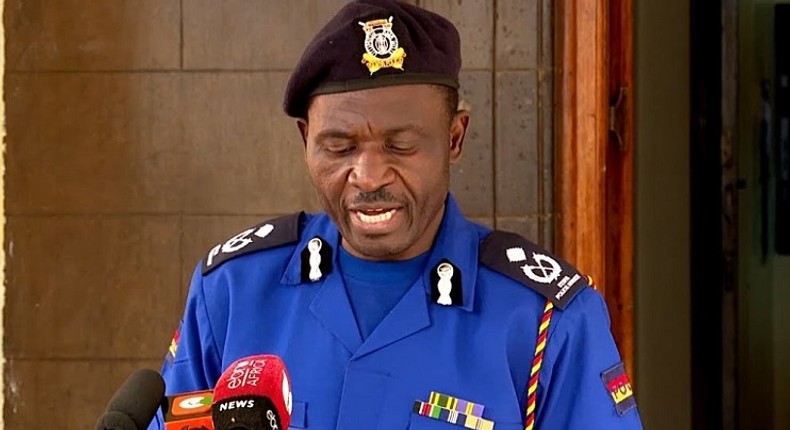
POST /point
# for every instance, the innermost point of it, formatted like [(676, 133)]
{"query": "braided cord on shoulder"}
[(537, 362)]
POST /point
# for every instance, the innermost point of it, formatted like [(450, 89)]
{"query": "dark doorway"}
[(714, 224)]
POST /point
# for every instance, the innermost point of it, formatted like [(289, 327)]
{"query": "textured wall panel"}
[(517, 26), (473, 178), (92, 35), (475, 22), (94, 143), (91, 287), (245, 156), (516, 144), (251, 34)]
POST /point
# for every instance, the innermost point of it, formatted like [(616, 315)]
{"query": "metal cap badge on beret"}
[(375, 43)]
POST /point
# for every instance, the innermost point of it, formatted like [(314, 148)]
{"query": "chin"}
[(377, 249)]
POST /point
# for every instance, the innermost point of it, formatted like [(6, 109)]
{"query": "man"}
[(391, 310)]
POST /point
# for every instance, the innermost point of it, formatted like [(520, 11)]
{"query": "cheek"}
[(326, 180), (428, 179)]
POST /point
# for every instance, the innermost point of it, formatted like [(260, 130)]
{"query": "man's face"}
[(380, 161)]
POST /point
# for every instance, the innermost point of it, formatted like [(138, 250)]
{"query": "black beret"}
[(375, 43)]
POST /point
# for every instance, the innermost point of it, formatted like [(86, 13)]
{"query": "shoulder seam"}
[(269, 234)]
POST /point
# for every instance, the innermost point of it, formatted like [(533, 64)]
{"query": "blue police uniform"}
[(466, 330)]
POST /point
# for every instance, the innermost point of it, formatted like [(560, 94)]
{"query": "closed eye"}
[(342, 147), (401, 147), (335, 141)]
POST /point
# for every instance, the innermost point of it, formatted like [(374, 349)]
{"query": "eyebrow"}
[(334, 133), (410, 127)]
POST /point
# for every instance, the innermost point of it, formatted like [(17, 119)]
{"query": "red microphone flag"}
[(254, 392)]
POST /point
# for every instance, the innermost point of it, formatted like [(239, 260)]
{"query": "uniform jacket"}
[(265, 292)]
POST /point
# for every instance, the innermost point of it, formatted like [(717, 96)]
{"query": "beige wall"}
[(140, 132), (764, 286), (662, 272)]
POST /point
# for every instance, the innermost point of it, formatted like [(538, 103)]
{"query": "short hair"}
[(451, 99)]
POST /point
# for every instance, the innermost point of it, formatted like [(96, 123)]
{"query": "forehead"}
[(385, 106)]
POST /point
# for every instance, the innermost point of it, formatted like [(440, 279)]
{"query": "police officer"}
[(391, 310)]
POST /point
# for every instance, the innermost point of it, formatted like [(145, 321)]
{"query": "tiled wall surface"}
[(141, 132)]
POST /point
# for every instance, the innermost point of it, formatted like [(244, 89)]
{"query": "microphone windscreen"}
[(247, 413), (137, 399), (114, 420), (253, 393)]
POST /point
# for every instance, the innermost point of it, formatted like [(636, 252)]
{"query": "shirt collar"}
[(457, 242)]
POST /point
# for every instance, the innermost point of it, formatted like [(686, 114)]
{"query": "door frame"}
[(594, 152)]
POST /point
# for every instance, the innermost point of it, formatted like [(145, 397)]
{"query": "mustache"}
[(379, 196)]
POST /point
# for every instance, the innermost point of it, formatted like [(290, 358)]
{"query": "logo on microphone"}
[(272, 420), (192, 404), (247, 372), (237, 404)]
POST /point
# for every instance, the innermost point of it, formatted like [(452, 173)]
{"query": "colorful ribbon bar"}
[(452, 416), (454, 403)]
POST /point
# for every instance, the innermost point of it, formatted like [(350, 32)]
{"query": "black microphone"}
[(134, 405)]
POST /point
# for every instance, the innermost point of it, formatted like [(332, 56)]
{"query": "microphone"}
[(135, 403), (190, 411), (254, 393)]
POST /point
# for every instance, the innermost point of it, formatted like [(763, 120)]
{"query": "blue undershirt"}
[(375, 287)]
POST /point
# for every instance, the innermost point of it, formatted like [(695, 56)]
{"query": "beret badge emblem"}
[(381, 46)]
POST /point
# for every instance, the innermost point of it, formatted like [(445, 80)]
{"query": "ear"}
[(458, 129), (302, 125)]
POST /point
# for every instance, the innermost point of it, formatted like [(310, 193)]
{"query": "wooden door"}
[(595, 149)]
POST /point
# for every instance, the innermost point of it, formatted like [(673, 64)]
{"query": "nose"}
[(372, 170)]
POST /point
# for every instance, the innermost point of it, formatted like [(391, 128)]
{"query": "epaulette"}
[(529, 264), (268, 234)]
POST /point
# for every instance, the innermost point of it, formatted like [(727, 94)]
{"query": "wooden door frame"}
[(594, 167)]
